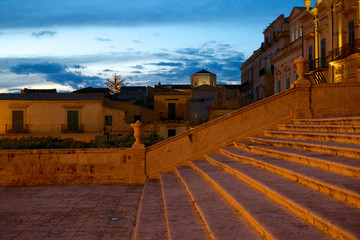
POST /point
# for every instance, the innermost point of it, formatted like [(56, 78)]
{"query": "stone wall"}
[(335, 99), (72, 166)]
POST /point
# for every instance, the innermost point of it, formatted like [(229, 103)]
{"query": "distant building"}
[(203, 77), (257, 72), (171, 112)]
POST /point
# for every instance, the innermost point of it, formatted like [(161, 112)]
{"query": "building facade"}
[(327, 36), (257, 72), (59, 114)]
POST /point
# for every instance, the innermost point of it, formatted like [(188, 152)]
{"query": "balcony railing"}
[(177, 119), (318, 63), (9, 129), (65, 129), (345, 51)]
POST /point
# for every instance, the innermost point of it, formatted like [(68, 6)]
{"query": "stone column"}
[(303, 95), (137, 134)]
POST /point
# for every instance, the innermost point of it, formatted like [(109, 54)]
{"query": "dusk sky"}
[(72, 44)]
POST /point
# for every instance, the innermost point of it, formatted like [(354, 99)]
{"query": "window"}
[(73, 120), (310, 53), (108, 120), (17, 120), (171, 111), (323, 52), (351, 36), (137, 117), (351, 31), (287, 82), (171, 132), (301, 30), (292, 36), (279, 86)]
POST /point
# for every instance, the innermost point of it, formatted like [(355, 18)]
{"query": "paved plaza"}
[(68, 212)]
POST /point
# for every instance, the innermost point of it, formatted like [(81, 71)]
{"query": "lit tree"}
[(115, 86)]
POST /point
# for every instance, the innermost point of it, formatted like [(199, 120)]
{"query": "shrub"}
[(56, 143)]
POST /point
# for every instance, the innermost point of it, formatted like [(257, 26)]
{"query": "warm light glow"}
[(307, 4)]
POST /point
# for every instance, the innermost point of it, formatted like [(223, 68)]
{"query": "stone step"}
[(350, 120), (182, 218), (320, 128), (340, 165), (269, 218), (221, 219), (340, 187), (339, 220), (352, 138), (150, 222), (330, 148)]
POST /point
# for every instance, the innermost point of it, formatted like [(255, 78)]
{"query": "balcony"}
[(318, 63), (9, 129), (177, 119), (345, 51), (72, 129)]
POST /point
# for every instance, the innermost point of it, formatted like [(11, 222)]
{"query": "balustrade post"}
[(302, 86)]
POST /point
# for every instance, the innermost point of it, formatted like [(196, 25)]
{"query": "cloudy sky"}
[(70, 44)]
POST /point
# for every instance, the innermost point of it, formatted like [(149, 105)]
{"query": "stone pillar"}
[(137, 171), (137, 134), (303, 95)]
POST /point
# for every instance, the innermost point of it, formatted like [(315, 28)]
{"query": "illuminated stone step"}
[(351, 120), (151, 223), (330, 148), (352, 138), (182, 218), (341, 165), (340, 187), (272, 220), (321, 128), (221, 219), (335, 218)]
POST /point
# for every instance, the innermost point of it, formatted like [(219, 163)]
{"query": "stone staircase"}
[(299, 182)]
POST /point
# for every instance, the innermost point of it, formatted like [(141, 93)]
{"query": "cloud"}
[(137, 41), (103, 39), (138, 67), (215, 57), (168, 64), (45, 33), (57, 73), (45, 68)]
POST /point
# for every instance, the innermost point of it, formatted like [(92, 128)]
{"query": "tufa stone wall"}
[(72, 166)]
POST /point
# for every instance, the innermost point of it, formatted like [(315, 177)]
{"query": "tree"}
[(115, 86)]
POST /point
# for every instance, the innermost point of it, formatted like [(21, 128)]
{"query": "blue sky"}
[(71, 44)]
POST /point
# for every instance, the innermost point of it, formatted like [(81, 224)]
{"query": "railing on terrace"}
[(9, 129), (65, 129), (345, 51)]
